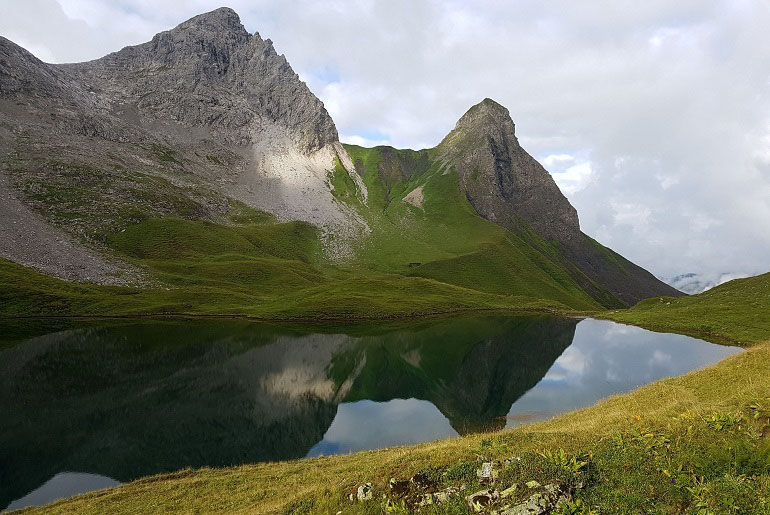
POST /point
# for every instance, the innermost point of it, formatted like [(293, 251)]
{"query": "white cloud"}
[(659, 358), (666, 181), (361, 141), (636, 216), (664, 106), (553, 160), (570, 173)]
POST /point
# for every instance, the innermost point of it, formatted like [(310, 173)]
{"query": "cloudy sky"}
[(653, 117)]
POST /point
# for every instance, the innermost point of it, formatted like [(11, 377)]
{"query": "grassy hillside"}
[(428, 252), (735, 312), (438, 235), (264, 269), (683, 445), (248, 287)]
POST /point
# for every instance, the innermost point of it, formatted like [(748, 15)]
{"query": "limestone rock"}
[(364, 492), (487, 473), (509, 491), (479, 500), (210, 72), (539, 503)]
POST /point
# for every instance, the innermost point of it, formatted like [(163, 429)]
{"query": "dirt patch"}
[(415, 197)]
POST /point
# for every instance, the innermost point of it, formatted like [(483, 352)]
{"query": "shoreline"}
[(307, 320)]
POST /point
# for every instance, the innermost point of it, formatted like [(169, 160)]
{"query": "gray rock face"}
[(501, 180), (21, 73), (209, 72)]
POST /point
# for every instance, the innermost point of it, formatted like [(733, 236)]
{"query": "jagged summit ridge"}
[(210, 72), (220, 19), (212, 38)]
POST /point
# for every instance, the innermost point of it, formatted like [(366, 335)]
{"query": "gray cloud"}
[(654, 117)]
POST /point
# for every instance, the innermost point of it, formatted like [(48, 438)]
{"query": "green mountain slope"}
[(430, 255), (440, 236)]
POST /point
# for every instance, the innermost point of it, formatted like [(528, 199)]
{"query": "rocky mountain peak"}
[(21, 73), (222, 19), (501, 180), (209, 73), (487, 115), (204, 45), (507, 186), (215, 35)]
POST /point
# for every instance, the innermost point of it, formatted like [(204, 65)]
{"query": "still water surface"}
[(87, 407)]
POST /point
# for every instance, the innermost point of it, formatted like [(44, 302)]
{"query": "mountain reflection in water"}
[(129, 399)]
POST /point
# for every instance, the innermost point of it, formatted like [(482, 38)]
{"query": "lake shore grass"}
[(736, 313), (27, 293), (698, 443)]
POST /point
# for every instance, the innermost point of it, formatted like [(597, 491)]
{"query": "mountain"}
[(201, 170), (509, 188)]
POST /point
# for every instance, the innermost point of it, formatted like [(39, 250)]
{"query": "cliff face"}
[(209, 72)]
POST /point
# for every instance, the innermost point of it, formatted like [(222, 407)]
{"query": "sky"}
[(653, 117)]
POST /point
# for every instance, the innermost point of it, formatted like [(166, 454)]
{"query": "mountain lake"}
[(91, 404)]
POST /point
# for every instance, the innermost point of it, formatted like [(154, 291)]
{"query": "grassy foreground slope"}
[(697, 444)]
